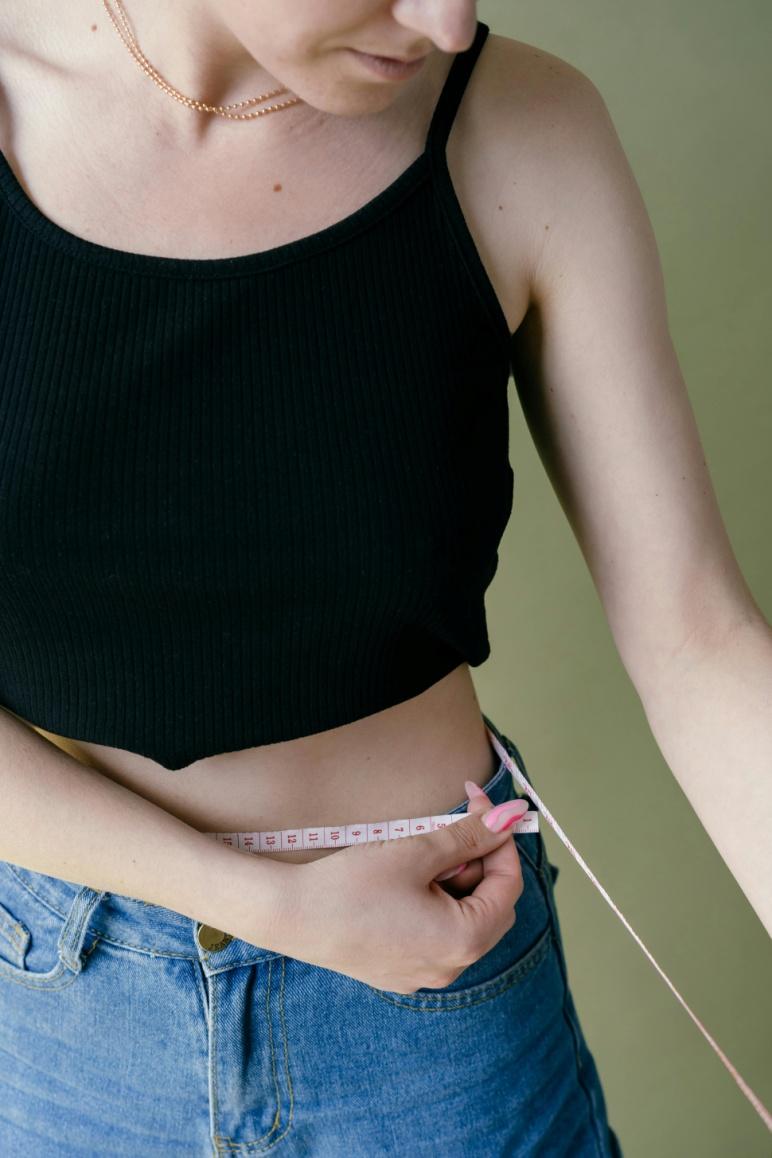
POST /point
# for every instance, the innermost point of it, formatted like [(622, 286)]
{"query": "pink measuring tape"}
[(338, 836)]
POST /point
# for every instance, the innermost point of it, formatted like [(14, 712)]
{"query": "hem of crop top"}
[(180, 759)]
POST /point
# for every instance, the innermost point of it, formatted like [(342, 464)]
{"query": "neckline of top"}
[(156, 264)]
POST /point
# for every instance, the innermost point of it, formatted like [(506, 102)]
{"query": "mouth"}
[(391, 67), (398, 59)]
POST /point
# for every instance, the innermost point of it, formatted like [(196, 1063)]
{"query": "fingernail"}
[(452, 872), (500, 817), (473, 789)]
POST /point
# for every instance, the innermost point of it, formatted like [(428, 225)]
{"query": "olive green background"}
[(689, 88)]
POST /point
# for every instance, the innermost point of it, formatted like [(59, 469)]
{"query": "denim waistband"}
[(134, 924)]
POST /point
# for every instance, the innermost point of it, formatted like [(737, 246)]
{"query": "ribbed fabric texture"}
[(248, 499)]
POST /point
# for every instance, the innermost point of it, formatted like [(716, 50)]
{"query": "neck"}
[(195, 51)]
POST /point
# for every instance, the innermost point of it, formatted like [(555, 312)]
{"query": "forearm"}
[(711, 715), (65, 819)]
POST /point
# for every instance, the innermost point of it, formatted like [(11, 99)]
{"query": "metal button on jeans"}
[(212, 939)]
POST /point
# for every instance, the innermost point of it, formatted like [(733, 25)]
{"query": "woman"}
[(256, 374)]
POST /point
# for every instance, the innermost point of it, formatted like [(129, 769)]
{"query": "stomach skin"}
[(410, 760)]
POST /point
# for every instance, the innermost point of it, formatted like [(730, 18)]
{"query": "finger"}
[(466, 881), (501, 878)]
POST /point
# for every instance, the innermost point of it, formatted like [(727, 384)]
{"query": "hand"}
[(376, 913)]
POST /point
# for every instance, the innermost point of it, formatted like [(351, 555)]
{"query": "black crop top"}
[(248, 499)]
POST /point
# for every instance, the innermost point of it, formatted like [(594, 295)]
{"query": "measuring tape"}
[(339, 836)]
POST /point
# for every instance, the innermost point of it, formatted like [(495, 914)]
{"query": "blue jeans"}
[(120, 1035)]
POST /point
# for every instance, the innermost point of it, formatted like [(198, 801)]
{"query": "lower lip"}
[(389, 69)]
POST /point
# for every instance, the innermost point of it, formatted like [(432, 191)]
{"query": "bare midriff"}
[(409, 760)]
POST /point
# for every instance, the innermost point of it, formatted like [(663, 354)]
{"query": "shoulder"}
[(549, 127), (537, 92)]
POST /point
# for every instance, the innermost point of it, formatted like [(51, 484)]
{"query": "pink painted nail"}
[(500, 817), (473, 789), (452, 872)]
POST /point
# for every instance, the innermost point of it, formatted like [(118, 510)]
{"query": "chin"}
[(346, 96), (352, 99)]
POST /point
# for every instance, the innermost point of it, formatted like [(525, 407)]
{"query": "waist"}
[(410, 760)]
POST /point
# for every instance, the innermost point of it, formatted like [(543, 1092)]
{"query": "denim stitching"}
[(51, 908), (438, 1003), (99, 932), (247, 961), (224, 1142), (488, 989), (97, 929), (215, 1097), (272, 1048), (285, 1040), (48, 980), (12, 928)]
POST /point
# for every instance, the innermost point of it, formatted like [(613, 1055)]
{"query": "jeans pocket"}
[(30, 936), (513, 957)]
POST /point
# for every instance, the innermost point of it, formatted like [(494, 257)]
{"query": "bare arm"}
[(607, 405), (67, 820)]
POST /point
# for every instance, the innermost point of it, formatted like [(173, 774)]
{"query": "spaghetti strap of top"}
[(450, 97)]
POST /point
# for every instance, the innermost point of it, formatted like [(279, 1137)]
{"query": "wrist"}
[(244, 894)]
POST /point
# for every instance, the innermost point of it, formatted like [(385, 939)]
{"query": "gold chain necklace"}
[(127, 36)]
